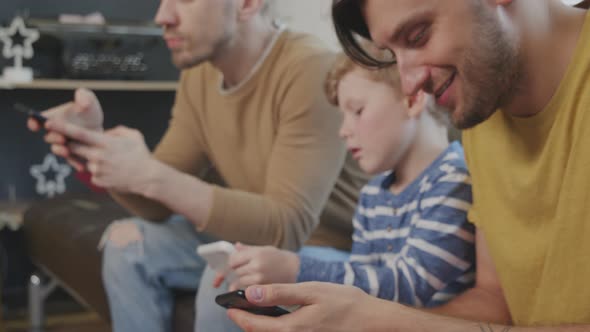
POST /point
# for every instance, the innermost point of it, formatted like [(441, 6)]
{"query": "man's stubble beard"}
[(492, 72), (218, 46), (196, 59)]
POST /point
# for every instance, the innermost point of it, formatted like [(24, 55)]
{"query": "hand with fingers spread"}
[(324, 307), (85, 111), (255, 265), (114, 157)]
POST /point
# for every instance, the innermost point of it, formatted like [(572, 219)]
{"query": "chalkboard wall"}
[(115, 10), (20, 149)]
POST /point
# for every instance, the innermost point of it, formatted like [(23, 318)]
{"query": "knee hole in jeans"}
[(120, 234)]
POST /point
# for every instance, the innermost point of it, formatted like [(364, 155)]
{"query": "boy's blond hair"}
[(389, 75), (344, 65)]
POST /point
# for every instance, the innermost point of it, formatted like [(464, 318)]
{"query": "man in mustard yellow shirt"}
[(514, 73)]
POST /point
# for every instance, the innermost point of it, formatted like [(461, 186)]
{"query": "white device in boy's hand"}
[(217, 255)]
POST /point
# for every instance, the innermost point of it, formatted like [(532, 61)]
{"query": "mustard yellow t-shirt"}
[(531, 189)]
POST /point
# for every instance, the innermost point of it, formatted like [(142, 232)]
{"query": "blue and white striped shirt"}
[(416, 247)]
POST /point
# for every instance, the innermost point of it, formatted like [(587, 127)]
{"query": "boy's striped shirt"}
[(416, 247)]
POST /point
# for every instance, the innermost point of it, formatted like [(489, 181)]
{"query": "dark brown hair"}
[(350, 25)]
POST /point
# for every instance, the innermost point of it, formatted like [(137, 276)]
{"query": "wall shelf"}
[(52, 26), (98, 85)]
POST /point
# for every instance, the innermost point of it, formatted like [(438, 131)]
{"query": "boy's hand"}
[(219, 279), (255, 265)]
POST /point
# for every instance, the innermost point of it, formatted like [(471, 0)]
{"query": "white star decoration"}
[(50, 187), (18, 73), (18, 51)]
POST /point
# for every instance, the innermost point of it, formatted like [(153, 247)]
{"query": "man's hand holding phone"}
[(237, 300), (85, 111), (117, 158), (34, 116), (113, 157), (324, 307)]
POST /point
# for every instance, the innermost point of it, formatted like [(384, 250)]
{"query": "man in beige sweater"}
[(249, 103)]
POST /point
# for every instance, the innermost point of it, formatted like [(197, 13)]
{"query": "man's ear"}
[(249, 8)]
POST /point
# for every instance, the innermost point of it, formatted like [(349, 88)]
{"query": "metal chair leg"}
[(38, 293)]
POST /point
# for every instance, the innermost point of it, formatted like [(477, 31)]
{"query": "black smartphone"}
[(31, 113), (237, 300)]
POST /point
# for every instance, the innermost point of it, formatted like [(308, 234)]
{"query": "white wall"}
[(312, 16)]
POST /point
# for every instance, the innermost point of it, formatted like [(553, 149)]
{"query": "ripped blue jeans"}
[(139, 277)]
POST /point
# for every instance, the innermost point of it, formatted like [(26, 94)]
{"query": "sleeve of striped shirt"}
[(439, 251), (313, 269)]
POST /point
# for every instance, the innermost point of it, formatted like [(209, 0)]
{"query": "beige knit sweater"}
[(274, 141)]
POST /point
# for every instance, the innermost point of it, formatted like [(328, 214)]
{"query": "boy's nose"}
[(344, 131)]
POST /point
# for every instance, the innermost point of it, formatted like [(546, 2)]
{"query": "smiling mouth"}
[(445, 86)]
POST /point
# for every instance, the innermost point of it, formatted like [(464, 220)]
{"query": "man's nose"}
[(414, 77), (166, 14)]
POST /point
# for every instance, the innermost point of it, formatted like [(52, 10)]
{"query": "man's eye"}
[(359, 111), (416, 37)]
